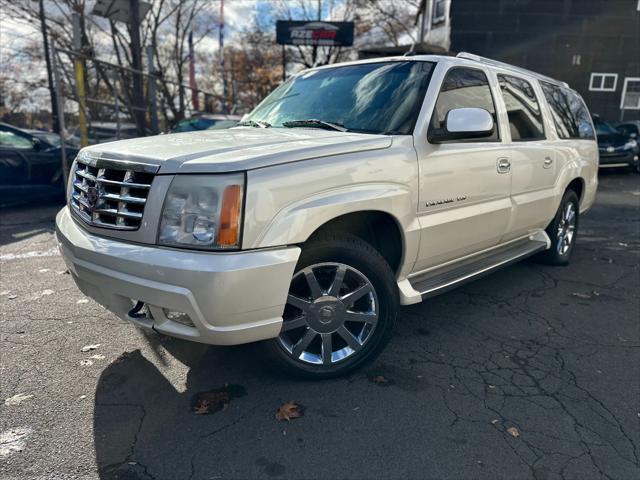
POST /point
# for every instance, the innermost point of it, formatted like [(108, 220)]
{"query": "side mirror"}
[(38, 144), (462, 124)]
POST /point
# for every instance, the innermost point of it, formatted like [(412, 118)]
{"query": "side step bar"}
[(442, 279)]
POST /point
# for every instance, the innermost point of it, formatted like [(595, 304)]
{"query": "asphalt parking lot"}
[(532, 372)]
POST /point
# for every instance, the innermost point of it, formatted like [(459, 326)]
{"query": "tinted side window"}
[(525, 118), (464, 88), (570, 116)]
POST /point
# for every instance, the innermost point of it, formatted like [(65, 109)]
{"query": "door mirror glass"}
[(38, 144), (464, 123)]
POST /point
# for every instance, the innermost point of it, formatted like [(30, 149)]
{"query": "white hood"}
[(241, 148)]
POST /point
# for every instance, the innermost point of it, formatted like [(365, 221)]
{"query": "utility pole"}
[(47, 58), (315, 47), (136, 60), (222, 73), (78, 67), (151, 91)]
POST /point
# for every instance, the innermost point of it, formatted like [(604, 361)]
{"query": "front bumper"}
[(231, 298), (619, 159)]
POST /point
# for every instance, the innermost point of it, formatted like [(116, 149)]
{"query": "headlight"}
[(631, 144), (203, 211)]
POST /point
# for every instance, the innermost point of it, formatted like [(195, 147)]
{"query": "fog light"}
[(179, 317)]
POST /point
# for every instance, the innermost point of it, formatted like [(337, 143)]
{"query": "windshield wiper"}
[(253, 123), (315, 123)]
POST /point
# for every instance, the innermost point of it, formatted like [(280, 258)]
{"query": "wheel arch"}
[(379, 229), (578, 186)]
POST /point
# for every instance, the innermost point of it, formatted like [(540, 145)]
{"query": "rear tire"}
[(563, 231), (341, 309)]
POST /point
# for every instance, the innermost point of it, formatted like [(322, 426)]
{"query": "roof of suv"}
[(463, 58)]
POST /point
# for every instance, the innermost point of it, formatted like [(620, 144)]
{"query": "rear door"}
[(464, 204), (534, 165)]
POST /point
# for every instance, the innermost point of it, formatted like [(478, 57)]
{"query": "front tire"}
[(340, 311), (563, 231)]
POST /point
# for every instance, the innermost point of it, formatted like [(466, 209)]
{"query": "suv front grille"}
[(111, 193)]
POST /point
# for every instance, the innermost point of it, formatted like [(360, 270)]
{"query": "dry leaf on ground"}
[(513, 431), (17, 399), (213, 401), (289, 411), (379, 379)]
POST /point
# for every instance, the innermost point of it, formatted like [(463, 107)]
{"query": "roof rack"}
[(507, 66)]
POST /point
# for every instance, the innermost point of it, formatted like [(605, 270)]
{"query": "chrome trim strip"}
[(100, 162)]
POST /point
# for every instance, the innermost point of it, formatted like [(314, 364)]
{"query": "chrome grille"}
[(111, 193)]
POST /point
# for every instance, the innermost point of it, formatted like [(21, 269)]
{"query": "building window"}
[(603, 82), (439, 11), (630, 94)]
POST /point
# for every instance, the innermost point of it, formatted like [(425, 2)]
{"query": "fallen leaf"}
[(494, 421), (87, 348), (12, 297), (513, 431), (379, 379), (86, 363), (202, 408), (44, 270), (17, 399), (622, 244), (63, 272), (97, 357), (289, 411), (47, 292), (82, 300), (82, 397), (213, 401)]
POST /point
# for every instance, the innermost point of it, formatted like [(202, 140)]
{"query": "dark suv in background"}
[(616, 149)]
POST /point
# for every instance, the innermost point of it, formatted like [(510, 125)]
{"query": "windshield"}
[(369, 98), (603, 128)]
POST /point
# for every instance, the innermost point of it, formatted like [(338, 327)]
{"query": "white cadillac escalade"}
[(350, 190)]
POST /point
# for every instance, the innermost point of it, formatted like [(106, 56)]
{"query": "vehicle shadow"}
[(133, 392), (21, 222)]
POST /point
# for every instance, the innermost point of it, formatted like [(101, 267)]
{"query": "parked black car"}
[(616, 150), (630, 129), (206, 121), (30, 167)]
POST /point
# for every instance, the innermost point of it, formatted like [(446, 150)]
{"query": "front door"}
[(465, 184)]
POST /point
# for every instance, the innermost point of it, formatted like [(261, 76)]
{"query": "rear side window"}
[(570, 115), (523, 109), (464, 88)]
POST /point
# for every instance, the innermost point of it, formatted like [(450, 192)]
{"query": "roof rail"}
[(508, 66)]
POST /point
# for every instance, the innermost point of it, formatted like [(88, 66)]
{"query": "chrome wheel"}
[(331, 313), (566, 229)]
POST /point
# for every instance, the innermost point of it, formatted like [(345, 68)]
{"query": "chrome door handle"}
[(547, 162), (504, 165)]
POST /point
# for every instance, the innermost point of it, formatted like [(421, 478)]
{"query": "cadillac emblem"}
[(93, 194)]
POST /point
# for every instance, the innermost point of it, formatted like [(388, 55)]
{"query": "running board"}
[(442, 279)]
